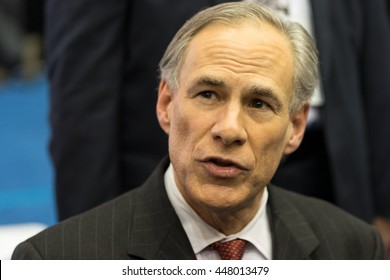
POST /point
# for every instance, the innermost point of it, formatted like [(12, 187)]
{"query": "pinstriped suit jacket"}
[(142, 224)]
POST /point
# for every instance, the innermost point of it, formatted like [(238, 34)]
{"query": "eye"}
[(257, 103), (207, 94)]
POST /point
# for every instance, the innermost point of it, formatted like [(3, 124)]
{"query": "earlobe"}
[(298, 123), (163, 105)]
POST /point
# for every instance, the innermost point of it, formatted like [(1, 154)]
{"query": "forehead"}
[(255, 49)]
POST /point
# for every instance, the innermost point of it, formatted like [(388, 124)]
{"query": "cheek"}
[(181, 133), (188, 125), (270, 146)]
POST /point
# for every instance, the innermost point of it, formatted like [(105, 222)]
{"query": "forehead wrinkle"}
[(237, 56)]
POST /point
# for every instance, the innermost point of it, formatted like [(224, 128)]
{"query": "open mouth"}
[(222, 163), (223, 168)]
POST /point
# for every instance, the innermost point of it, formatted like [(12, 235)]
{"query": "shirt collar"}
[(201, 235)]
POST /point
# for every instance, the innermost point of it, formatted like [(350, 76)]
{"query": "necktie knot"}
[(230, 250)]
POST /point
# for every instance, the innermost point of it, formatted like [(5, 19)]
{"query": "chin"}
[(222, 199), (225, 208)]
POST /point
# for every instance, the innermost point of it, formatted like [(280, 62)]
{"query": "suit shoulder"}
[(90, 235), (314, 208), (340, 234)]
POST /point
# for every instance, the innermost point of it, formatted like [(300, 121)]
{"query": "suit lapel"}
[(157, 232), (293, 237)]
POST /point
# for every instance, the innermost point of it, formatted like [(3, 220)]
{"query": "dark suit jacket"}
[(142, 224)]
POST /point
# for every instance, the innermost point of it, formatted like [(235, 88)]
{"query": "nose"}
[(229, 127)]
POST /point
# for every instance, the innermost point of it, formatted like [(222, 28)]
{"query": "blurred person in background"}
[(33, 45), (11, 36), (102, 58), (21, 28)]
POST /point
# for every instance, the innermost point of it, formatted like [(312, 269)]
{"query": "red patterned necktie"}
[(230, 250)]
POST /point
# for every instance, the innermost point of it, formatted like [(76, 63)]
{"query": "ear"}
[(298, 123), (163, 105)]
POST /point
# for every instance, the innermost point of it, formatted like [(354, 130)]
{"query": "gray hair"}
[(305, 52)]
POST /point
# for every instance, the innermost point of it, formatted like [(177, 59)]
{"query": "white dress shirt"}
[(201, 234)]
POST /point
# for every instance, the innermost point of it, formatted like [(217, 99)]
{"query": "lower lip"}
[(222, 171)]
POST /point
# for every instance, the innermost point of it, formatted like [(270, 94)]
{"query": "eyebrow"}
[(207, 81)]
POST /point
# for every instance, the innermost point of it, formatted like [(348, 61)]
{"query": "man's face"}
[(229, 122)]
